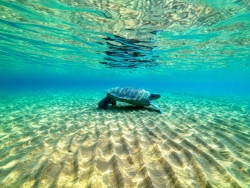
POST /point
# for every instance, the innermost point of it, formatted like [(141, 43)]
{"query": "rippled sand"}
[(64, 140)]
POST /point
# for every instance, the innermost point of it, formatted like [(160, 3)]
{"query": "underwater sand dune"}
[(65, 141)]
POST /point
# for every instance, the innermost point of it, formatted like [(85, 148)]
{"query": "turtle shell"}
[(130, 94)]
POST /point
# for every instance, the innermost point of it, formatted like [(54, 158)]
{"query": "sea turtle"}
[(135, 96)]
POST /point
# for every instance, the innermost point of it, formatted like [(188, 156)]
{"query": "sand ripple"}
[(65, 141)]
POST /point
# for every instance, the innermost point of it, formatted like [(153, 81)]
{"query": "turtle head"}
[(154, 96)]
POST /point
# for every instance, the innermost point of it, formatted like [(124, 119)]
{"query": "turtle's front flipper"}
[(104, 103), (157, 107), (113, 103)]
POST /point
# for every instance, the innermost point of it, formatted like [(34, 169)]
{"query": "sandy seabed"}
[(64, 140)]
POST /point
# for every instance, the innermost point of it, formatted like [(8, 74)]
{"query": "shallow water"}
[(57, 58), (61, 139)]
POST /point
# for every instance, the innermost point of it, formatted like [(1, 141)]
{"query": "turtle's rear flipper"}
[(104, 103), (157, 107)]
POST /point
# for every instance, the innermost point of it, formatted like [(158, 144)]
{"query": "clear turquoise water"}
[(57, 58), (184, 45)]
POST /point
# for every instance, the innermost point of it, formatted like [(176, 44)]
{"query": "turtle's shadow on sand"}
[(129, 108)]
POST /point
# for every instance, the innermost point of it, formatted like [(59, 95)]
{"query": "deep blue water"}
[(210, 82)]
